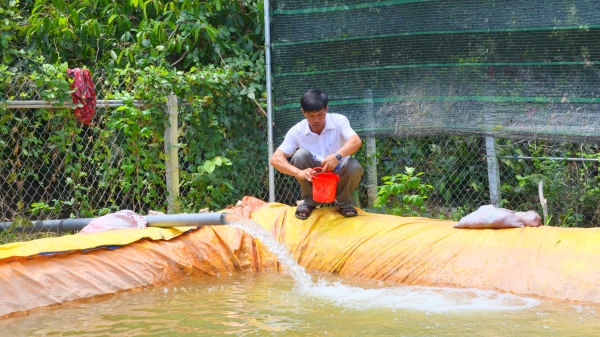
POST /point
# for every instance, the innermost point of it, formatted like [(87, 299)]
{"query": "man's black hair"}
[(314, 100)]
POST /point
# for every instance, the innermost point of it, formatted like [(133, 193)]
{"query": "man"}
[(323, 136)]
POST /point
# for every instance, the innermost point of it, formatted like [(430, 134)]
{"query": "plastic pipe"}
[(165, 221), (181, 220)]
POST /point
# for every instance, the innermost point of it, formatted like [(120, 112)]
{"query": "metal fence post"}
[(269, 100), (493, 171), (371, 153), (172, 156)]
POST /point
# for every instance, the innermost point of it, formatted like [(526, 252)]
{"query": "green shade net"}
[(397, 68)]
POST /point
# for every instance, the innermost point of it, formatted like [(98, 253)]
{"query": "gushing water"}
[(425, 299), (302, 278)]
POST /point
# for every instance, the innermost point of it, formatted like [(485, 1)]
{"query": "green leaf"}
[(414, 182), (11, 177), (212, 33), (398, 189), (128, 169), (417, 200), (209, 166), (196, 179)]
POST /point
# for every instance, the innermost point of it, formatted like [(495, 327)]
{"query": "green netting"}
[(502, 68)]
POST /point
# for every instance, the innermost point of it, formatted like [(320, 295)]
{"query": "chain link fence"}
[(457, 167), (54, 167)]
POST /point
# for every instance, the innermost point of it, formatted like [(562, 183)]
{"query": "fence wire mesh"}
[(457, 169), (55, 167), (51, 174)]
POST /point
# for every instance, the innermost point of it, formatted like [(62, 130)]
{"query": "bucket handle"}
[(318, 168)]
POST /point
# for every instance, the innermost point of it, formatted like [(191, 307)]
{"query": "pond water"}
[(272, 305)]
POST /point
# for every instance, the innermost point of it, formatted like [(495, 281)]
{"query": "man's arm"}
[(352, 145), (280, 163)]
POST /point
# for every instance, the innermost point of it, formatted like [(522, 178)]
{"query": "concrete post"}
[(493, 171), (371, 152), (172, 156)]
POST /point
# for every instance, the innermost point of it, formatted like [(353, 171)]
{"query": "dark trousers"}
[(350, 174)]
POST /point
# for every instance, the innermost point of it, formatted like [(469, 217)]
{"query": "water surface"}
[(272, 305)]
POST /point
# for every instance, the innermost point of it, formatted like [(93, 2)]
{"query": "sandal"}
[(303, 211), (348, 212)]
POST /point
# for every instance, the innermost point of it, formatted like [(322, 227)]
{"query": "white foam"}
[(425, 299)]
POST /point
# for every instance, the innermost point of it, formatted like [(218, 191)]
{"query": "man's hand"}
[(329, 163), (306, 174)]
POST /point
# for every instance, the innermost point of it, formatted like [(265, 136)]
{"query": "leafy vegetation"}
[(209, 54), (171, 34), (403, 194), (571, 187), (456, 167)]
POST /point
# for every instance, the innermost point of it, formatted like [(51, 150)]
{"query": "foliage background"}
[(209, 54)]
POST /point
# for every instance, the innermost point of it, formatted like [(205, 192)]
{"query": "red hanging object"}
[(84, 94)]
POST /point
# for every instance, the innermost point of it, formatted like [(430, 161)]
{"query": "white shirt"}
[(335, 134)]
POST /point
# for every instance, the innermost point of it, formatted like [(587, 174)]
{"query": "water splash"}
[(426, 299), (302, 278), (420, 298)]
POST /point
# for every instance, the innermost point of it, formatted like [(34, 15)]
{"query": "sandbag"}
[(489, 216), (530, 218), (120, 219)]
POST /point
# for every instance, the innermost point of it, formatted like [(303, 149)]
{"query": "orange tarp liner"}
[(148, 256), (549, 262)]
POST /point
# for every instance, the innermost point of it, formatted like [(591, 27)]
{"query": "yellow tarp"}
[(117, 237), (546, 261)]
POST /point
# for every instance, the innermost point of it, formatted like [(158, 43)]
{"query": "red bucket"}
[(325, 186)]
